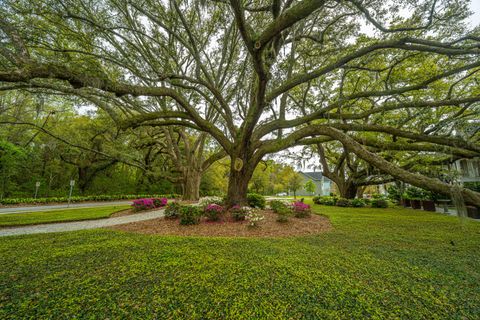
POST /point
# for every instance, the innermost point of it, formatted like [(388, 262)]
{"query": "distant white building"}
[(322, 183)]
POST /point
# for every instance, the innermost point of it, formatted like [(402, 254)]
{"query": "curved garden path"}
[(80, 225)]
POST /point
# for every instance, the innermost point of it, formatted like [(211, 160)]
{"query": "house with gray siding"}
[(322, 183)]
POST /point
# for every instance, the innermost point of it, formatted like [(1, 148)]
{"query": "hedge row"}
[(12, 201), (378, 202)]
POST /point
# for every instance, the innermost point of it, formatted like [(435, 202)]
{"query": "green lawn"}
[(376, 263), (18, 219)]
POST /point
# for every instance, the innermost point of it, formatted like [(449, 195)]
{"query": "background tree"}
[(310, 187), (295, 183)]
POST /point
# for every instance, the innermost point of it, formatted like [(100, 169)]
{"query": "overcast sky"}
[(475, 5)]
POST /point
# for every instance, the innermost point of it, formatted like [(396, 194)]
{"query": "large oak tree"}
[(276, 73)]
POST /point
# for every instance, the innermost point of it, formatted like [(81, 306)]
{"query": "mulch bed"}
[(226, 227)]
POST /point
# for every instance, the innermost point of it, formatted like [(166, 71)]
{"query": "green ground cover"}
[(74, 214), (377, 263)]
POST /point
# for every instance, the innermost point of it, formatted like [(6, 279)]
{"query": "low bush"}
[(254, 217), (173, 210), (278, 205), (256, 200), (379, 203), (143, 204), (238, 213), (342, 202), (190, 215), (325, 200), (213, 212), (205, 201), (300, 209), (357, 203), (149, 203)]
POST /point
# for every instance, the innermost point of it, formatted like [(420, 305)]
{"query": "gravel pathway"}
[(80, 225)]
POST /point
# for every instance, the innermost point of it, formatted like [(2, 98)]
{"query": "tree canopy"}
[(259, 77)]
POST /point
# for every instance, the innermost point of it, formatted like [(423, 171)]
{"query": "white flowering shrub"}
[(253, 217), (205, 201)]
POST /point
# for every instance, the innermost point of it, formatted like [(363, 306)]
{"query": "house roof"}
[(316, 176)]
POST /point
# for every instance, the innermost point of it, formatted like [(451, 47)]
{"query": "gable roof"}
[(315, 176)]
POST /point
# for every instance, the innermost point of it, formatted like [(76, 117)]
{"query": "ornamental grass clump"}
[(300, 209), (213, 212)]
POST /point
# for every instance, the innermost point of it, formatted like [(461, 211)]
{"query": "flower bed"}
[(149, 203), (228, 227)]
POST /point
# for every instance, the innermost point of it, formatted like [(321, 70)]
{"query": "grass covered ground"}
[(376, 263), (74, 214)]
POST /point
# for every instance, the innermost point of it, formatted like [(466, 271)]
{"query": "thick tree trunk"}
[(83, 180), (238, 184), (348, 190), (191, 185)]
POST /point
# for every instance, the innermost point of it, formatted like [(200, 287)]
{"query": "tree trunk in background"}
[(83, 179), (191, 184)]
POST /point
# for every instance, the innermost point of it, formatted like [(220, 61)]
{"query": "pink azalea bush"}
[(300, 209), (149, 203), (213, 211)]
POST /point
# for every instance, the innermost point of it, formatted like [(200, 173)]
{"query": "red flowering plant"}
[(213, 211), (148, 203), (160, 202), (300, 209)]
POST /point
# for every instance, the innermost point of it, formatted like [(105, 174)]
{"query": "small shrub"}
[(342, 202), (300, 209), (278, 205), (173, 210), (379, 203), (213, 212), (253, 217), (143, 204), (205, 201), (190, 215), (160, 202), (256, 200), (325, 200), (238, 213), (149, 203), (283, 213), (357, 203), (316, 199)]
